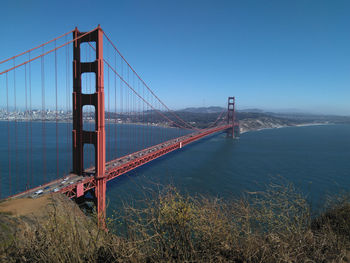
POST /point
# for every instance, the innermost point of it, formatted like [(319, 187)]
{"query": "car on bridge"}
[(39, 192)]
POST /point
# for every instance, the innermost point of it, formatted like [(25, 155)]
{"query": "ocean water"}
[(315, 158), (31, 154)]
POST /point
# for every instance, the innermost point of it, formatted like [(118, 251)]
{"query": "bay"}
[(314, 158)]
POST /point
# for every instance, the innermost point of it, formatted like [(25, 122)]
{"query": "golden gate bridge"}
[(87, 79)]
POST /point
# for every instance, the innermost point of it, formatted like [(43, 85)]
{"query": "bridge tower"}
[(231, 116), (96, 99)]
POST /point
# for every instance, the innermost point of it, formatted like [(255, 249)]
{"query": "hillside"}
[(256, 119), (249, 121), (270, 226)]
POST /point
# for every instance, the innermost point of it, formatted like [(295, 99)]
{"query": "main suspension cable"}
[(143, 82)]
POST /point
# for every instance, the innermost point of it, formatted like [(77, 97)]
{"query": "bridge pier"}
[(100, 193), (96, 99), (231, 117)]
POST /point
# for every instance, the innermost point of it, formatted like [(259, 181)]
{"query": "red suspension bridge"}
[(106, 124)]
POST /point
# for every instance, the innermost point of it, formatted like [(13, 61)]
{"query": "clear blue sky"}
[(291, 54)]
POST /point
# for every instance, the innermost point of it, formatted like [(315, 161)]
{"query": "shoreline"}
[(287, 126), (165, 126), (90, 122)]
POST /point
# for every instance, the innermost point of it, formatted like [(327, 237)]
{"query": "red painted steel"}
[(80, 181), (80, 189), (189, 126), (80, 136), (32, 49), (44, 53), (152, 153), (231, 116)]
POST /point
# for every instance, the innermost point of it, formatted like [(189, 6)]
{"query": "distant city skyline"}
[(271, 55)]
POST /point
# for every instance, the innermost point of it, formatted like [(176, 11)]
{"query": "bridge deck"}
[(75, 185)]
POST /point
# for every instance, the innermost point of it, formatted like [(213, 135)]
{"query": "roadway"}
[(76, 185)]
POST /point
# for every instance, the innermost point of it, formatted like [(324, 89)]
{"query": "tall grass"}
[(270, 226)]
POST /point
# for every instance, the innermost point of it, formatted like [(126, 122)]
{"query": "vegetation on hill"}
[(270, 226)]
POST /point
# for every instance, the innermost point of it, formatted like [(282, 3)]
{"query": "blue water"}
[(31, 154), (314, 158)]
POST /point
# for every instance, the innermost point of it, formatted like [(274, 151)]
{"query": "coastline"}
[(286, 126), (88, 121)]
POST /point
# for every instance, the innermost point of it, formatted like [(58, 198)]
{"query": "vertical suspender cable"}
[(162, 130), (15, 110), (143, 118), (26, 125), (109, 117), (91, 91), (92, 113), (133, 114), (151, 122), (108, 139), (122, 130), (148, 121), (57, 160), (115, 107), (127, 107), (135, 121), (140, 135), (67, 108), (131, 125), (89, 157), (142, 108), (30, 123), (8, 133), (137, 117), (43, 114)]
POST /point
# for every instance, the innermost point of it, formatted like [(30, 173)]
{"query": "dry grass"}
[(270, 226), (24, 206)]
